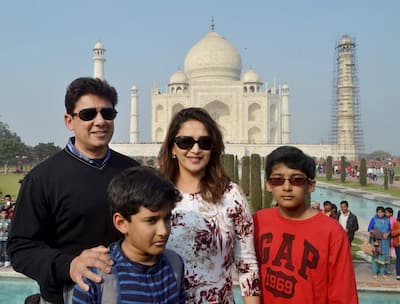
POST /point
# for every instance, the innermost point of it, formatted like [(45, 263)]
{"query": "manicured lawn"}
[(393, 191), (355, 247), (9, 184)]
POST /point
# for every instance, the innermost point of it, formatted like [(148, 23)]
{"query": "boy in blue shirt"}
[(143, 270)]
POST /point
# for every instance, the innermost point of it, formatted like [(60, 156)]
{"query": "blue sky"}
[(46, 44)]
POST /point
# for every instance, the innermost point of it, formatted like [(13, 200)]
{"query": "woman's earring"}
[(173, 156)]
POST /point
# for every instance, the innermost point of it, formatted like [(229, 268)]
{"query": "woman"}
[(212, 227), (396, 243), (379, 231)]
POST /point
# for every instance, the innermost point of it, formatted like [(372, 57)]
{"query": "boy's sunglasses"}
[(91, 113), (294, 181), (187, 142)]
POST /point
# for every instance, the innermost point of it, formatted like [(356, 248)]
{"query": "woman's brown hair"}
[(215, 181)]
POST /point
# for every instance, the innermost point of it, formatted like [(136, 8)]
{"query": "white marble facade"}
[(246, 110), (253, 117)]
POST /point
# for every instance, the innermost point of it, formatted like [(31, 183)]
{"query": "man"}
[(7, 202), (4, 227), (348, 220), (327, 208), (62, 205)]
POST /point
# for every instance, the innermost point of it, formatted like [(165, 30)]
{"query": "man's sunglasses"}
[(187, 142), (91, 113), (294, 181)]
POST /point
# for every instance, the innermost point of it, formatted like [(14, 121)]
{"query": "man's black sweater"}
[(62, 209)]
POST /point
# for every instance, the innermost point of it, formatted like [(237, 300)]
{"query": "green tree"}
[(6, 133), (329, 168), (229, 165), (379, 155), (245, 180), (9, 149), (342, 169), (385, 178), (363, 172), (255, 182), (268, 199), (236, 169), (42, 151)]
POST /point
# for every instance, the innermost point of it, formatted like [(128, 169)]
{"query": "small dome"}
[(133, 88), (213, 57), (251, 76), (98, 45), (346, 41), (285, 86), (179, 77)]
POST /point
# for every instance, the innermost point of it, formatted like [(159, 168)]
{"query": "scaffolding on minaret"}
[(346, 128)]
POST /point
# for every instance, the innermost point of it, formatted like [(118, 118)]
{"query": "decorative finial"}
[(212, 24)]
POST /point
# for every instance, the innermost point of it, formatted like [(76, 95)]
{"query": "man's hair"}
[(87, 85), (344, 203), (7, 195), (141, 187), (328, 203), (215, 181), (292, 158)]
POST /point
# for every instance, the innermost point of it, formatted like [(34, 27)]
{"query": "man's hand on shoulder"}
[(97, 257)]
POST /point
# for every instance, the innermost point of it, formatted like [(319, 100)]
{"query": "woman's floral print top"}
[(215, 240)]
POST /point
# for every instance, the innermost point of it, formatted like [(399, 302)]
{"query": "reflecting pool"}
[(15, 290), (362, 207)]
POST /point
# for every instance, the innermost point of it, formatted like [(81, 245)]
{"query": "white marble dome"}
[(98, 45), (251, 76), (179, 77), (345, 40), (213, 57)]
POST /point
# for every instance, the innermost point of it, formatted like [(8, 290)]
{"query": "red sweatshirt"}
[(303, 261)]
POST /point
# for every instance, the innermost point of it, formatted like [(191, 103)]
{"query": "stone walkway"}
[(364, 277), (365, 281)]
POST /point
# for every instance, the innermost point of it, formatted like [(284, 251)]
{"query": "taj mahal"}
[(253, 116)]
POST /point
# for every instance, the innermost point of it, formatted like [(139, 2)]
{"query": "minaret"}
[(285, 116), (346, 127), (134, 116), (98, 60)]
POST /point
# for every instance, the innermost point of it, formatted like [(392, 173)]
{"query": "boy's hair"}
[(389, 209), (141, 187), (293, 158), (328, 203), (380, 208), (87, 85), (344, 203)]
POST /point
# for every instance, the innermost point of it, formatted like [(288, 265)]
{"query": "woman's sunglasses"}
[(187, 142), (294, 181), (91, 113)]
